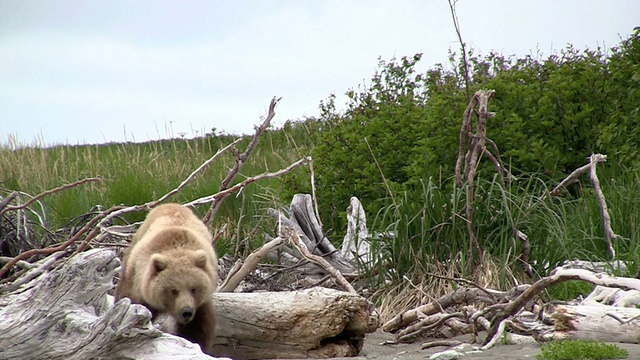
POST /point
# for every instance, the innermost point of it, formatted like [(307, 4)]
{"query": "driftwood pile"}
[(609, 313), (67, 312)]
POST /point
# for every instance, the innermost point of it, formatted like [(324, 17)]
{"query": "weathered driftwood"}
[(593, 322), (356, 244), (461, 296), (613, 296), (303, 220), (313, 323), (609, 313), (67, 314)]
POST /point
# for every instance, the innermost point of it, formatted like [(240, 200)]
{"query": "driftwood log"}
[(66, 313), (592, 322), (313, 323)]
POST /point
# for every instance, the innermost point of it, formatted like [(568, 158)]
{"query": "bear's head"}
[(178, 283)]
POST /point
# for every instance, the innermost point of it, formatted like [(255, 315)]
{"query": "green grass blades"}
[(580, 350)]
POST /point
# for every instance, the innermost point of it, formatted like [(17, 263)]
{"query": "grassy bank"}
[(135, 173)]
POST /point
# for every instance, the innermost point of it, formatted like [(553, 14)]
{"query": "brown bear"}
[(171, 267)]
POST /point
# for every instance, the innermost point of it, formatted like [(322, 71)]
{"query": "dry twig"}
[(48, 192)]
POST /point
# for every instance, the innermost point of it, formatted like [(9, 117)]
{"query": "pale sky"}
[(93, 71)]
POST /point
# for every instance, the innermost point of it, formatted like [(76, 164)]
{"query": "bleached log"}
[(313, 323), (356, 242), (67, 314), (613, 296), (597, 266), (593, 322), (303, 220)]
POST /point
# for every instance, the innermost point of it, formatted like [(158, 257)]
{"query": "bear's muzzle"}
[(187, 314)]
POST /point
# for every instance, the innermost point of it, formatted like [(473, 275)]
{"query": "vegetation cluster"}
[(394, 146)]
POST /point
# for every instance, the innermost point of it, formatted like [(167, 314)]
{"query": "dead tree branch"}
[(240, 160), (193, 174), (573, 177), (465, 63), (606, 219), (49, 192), (228, 191), (236, 275)]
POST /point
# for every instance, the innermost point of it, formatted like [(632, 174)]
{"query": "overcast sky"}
[(96, 71)]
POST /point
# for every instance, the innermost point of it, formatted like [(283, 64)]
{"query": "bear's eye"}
[(193, 291), (174, 292)]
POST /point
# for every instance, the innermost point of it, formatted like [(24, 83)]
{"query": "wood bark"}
[(313, 323), (66, 313)]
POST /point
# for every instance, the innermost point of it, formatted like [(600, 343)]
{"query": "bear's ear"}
[(159, 262), (200, 258)]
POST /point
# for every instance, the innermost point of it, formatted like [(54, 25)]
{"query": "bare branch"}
[(7, 200), (194, 173), (64, 245), (234, 278), (49, 192), (441, 342), (465, 63), (573, 177), (240, 160), (608, 231), (224, 193), (21, 263)]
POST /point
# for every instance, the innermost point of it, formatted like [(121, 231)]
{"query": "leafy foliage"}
[(404, 128), (550, 116)]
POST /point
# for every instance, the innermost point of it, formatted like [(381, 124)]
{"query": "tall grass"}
[(429, 233), (135, 173)]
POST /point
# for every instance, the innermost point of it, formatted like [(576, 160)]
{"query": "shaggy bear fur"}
[(171, 268)]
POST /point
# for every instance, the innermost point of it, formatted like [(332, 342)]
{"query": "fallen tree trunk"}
[(313, 323), (66, 313)]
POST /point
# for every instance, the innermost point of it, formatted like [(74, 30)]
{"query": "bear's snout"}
[(186, 314)]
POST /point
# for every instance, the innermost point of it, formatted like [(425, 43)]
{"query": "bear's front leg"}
[(201, 330)]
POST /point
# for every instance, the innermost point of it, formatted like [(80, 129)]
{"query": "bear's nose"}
[(187, 314)]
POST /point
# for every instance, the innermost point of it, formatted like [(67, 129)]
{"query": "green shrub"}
[(580, 350), (550, 115)]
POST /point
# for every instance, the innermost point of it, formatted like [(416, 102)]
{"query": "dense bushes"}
[(550, 115)]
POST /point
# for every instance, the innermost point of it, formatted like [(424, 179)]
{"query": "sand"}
[(373, 349)]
